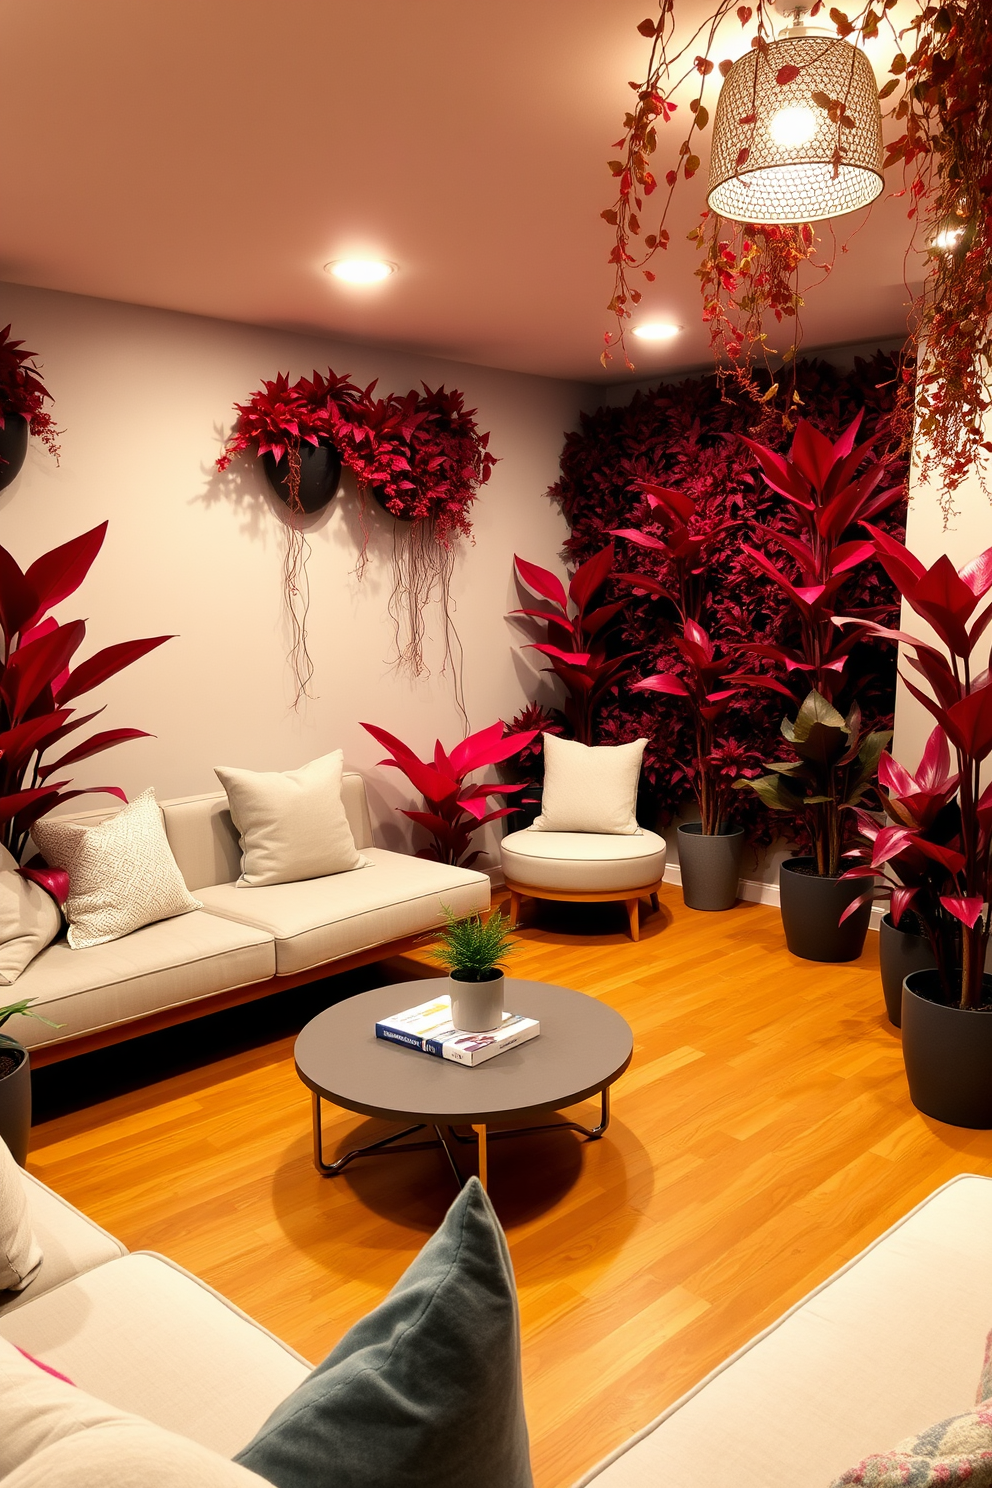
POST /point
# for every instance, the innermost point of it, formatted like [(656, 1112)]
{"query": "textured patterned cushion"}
[(590, 787), (29, 920), (122, 874), (957, 1451), (292, 825), (20, 1253)]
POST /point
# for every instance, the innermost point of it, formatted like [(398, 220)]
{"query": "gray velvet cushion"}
[(425, 1391)]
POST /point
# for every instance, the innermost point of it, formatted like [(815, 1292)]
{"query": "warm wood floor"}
[(762, 1136)]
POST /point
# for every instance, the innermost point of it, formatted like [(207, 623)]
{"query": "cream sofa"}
[(889, 1345), (244, 943)]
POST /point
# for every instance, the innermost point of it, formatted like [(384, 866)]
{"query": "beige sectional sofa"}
[(889, 1345), (245, 942)]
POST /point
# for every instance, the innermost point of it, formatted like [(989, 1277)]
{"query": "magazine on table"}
[(429, 1029)]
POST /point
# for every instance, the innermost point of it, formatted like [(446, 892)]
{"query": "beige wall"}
[(145, 399)]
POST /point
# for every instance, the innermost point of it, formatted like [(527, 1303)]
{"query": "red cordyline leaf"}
[(590, 576), (56, 575), (569, 658), (964, 909), (543, 582), (488, 747), (105, 664), (970, 722), (17, 744), (549, 616), (32, 668), (900, 901), (642, 540), (668, 682), (95, 744), (54, 881), (11, 805), (18, 600), (434, 786)]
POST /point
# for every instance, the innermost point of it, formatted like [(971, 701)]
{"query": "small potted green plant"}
[(15, 1083), (472, 949)]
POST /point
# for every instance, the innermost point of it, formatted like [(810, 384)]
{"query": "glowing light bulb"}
[(793, 126), (657, 330), (360, 270), (948, 239)]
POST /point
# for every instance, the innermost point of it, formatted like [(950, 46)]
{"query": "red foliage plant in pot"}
[(455, 808), (23, 396), (834, 755), (940, 846), (38, 683), (576, 643)]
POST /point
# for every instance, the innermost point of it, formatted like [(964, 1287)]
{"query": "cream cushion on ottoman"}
[(584, 865)]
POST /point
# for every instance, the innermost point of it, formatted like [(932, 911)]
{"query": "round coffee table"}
[(583, 1047)]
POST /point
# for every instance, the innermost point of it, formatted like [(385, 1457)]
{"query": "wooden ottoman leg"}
[(633, 915), (654, 901), (514, 908)]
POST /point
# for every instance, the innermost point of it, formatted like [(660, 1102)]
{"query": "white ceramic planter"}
[(477, 1007)]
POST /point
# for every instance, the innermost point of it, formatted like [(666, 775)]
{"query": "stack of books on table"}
[(428, 1028)]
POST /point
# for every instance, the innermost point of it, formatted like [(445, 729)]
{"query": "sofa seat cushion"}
[(54, 1435), (70, 1243), (888, 1346), (582, 862), (149, 1338), (173, 961), (324, 918)]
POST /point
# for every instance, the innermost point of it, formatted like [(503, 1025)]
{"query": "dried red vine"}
[(939, 97)]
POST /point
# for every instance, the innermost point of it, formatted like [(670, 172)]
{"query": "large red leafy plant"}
[(685, 437), (38, 683), (939, 105), (23, 393), (952, 899), (576, 643), (455, 808)]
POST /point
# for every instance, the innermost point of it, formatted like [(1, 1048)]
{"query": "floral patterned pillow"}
[(954, 1453)]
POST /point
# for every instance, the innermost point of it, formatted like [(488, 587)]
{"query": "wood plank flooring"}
[(762, 1136)]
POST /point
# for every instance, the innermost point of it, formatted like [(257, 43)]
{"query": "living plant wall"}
[(686, 436)]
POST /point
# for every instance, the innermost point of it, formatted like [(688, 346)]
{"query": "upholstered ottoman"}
[(589, 866)]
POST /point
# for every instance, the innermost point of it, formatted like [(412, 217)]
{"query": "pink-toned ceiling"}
[(211, 155)]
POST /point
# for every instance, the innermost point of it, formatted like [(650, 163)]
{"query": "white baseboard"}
[(754, 891)]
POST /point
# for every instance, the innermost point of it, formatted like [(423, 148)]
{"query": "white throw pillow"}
[(590, 787), (55, 1436), (293, 824), (20, 1253), (122, 874), (29, 920)]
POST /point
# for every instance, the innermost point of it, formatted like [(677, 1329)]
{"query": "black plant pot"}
[(320, 474), (811, 911), (13, 447), (15, 1098), (380, 496), (710, 866), (899, 953), (948, 1054)]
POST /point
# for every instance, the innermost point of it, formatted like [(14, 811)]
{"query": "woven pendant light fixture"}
[(779, 155)]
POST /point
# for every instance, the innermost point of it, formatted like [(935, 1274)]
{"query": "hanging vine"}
[(937, 95), (421, 455)]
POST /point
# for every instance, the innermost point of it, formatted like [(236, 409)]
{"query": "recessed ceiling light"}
[(657, 330), (360, 270)]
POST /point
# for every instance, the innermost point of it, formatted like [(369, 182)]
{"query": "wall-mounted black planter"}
[(948, 1054), (710, 866), (811, 911), (15, 1098), (380, 496), (13, 447), (899, 953), (320, 474)]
